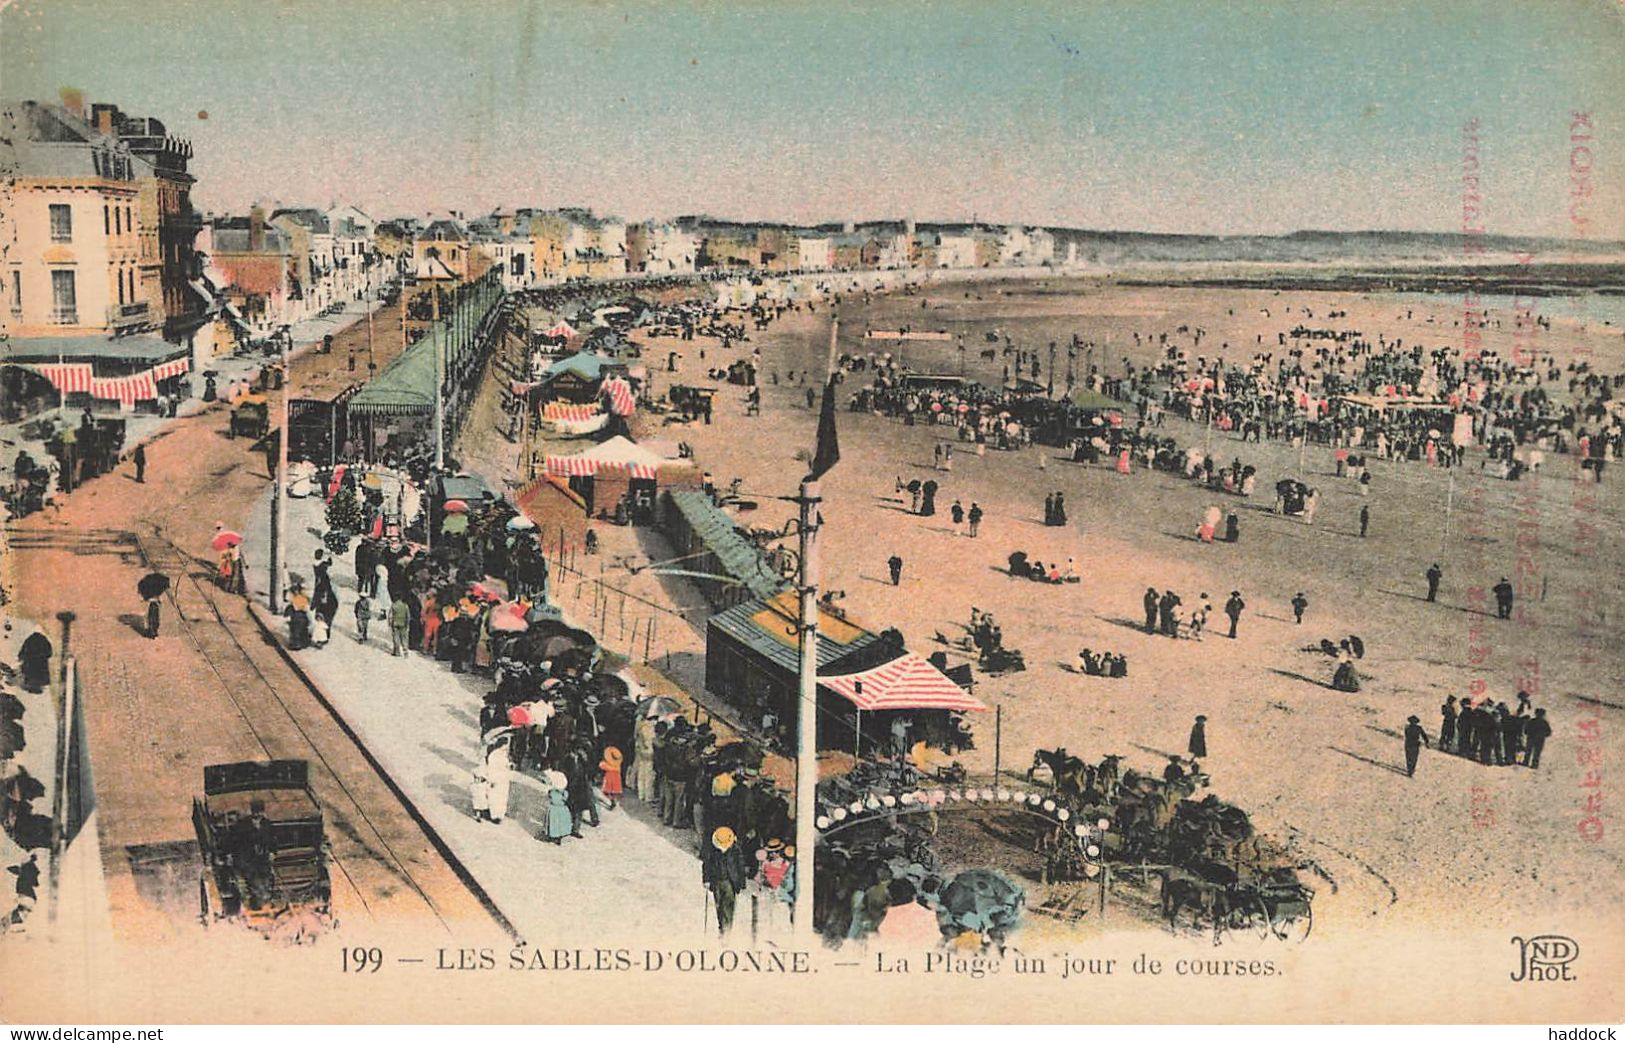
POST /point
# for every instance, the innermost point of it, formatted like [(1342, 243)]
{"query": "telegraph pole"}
[(807, 714), (807, 690)]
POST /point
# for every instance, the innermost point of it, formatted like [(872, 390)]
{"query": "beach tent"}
[(617, 454)]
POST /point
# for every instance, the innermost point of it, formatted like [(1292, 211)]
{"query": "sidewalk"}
[(141, 428), (629, 880)]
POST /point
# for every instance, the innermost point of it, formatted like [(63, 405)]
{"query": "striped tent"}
[(908, 682), (617, 454), (621, 401), (570, 411), (560, 329), (67, 377)]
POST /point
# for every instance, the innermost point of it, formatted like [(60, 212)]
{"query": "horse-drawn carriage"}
[(250, 417), (1212, 860), (260, 832), (1270, 901)]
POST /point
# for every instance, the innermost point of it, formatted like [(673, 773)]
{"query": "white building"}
[(817, 253)]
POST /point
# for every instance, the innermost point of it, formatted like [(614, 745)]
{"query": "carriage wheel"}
[(1261, 919), (1298, 928)]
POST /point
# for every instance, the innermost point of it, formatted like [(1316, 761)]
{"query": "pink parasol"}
[(509, 618), (519, 716), (482, 591), (456, 507), (225, 538)]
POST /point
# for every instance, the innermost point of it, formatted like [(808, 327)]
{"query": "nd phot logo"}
[(1545, 957)]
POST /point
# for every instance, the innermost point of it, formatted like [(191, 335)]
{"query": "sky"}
[(1152, 115)]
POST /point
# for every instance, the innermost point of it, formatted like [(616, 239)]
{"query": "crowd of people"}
[(1485, 731)]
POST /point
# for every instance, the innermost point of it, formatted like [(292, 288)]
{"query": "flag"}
[(828, 451)]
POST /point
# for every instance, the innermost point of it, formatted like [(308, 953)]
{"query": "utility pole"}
[(807, 689), (279, 503), (807, 714), (1051, 391)]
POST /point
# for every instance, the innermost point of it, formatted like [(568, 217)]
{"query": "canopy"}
[(619, 453), (906, 683)]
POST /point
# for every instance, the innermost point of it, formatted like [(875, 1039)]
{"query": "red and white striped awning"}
[(617, 454), (172, 368), (571, 411), (580, 467), (562, 329), (621, 402), (67, 377), (908, 682), (138, 387)]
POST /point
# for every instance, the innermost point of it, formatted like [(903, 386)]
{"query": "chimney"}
[(256, 228), (103, 117), (73, 99)]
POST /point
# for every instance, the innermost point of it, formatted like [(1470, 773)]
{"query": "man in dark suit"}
[(1434, 574), (1232, 608), (1415, 739)]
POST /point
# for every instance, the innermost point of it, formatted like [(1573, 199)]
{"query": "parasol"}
[(484, 591), (509, 618), (519, 716), (456, 507), (225, 538), (152, 585), (520, 523), (979, 899)]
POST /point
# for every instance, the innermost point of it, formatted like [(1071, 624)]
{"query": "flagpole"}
[(807, 701)]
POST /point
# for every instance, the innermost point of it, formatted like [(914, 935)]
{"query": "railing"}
[(64, 316), (128, 314)]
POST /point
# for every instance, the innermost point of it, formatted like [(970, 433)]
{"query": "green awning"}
[(406, 386)]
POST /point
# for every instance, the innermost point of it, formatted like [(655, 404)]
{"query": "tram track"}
[(349, 824)]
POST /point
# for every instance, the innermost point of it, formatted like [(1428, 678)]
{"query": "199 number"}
[(363, 961)]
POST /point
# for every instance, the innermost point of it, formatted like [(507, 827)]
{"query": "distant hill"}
[(1313, 247)]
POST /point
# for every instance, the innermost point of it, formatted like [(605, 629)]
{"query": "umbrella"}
[(658, 706), (520, 523), (519, 716), (152, 585), (456, 506), (981, 898), (509, 618), (482, 591), (225, 538)]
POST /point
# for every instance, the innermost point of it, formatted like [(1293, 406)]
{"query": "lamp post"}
[(279, 504)]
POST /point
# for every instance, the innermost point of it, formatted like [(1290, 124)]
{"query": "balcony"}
[(121, 316), (64, 316)]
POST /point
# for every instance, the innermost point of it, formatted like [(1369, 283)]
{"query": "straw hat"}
[(612, 756), (723, 838), (722, 785)]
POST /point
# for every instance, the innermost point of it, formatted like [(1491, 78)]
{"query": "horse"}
[(1183, 889), (1069, 775)]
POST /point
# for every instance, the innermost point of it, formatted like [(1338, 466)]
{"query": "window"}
[(107, 220), (61, 223), (118, 277), (16, 293), (129, 220), (118, 222), (64, 298)]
